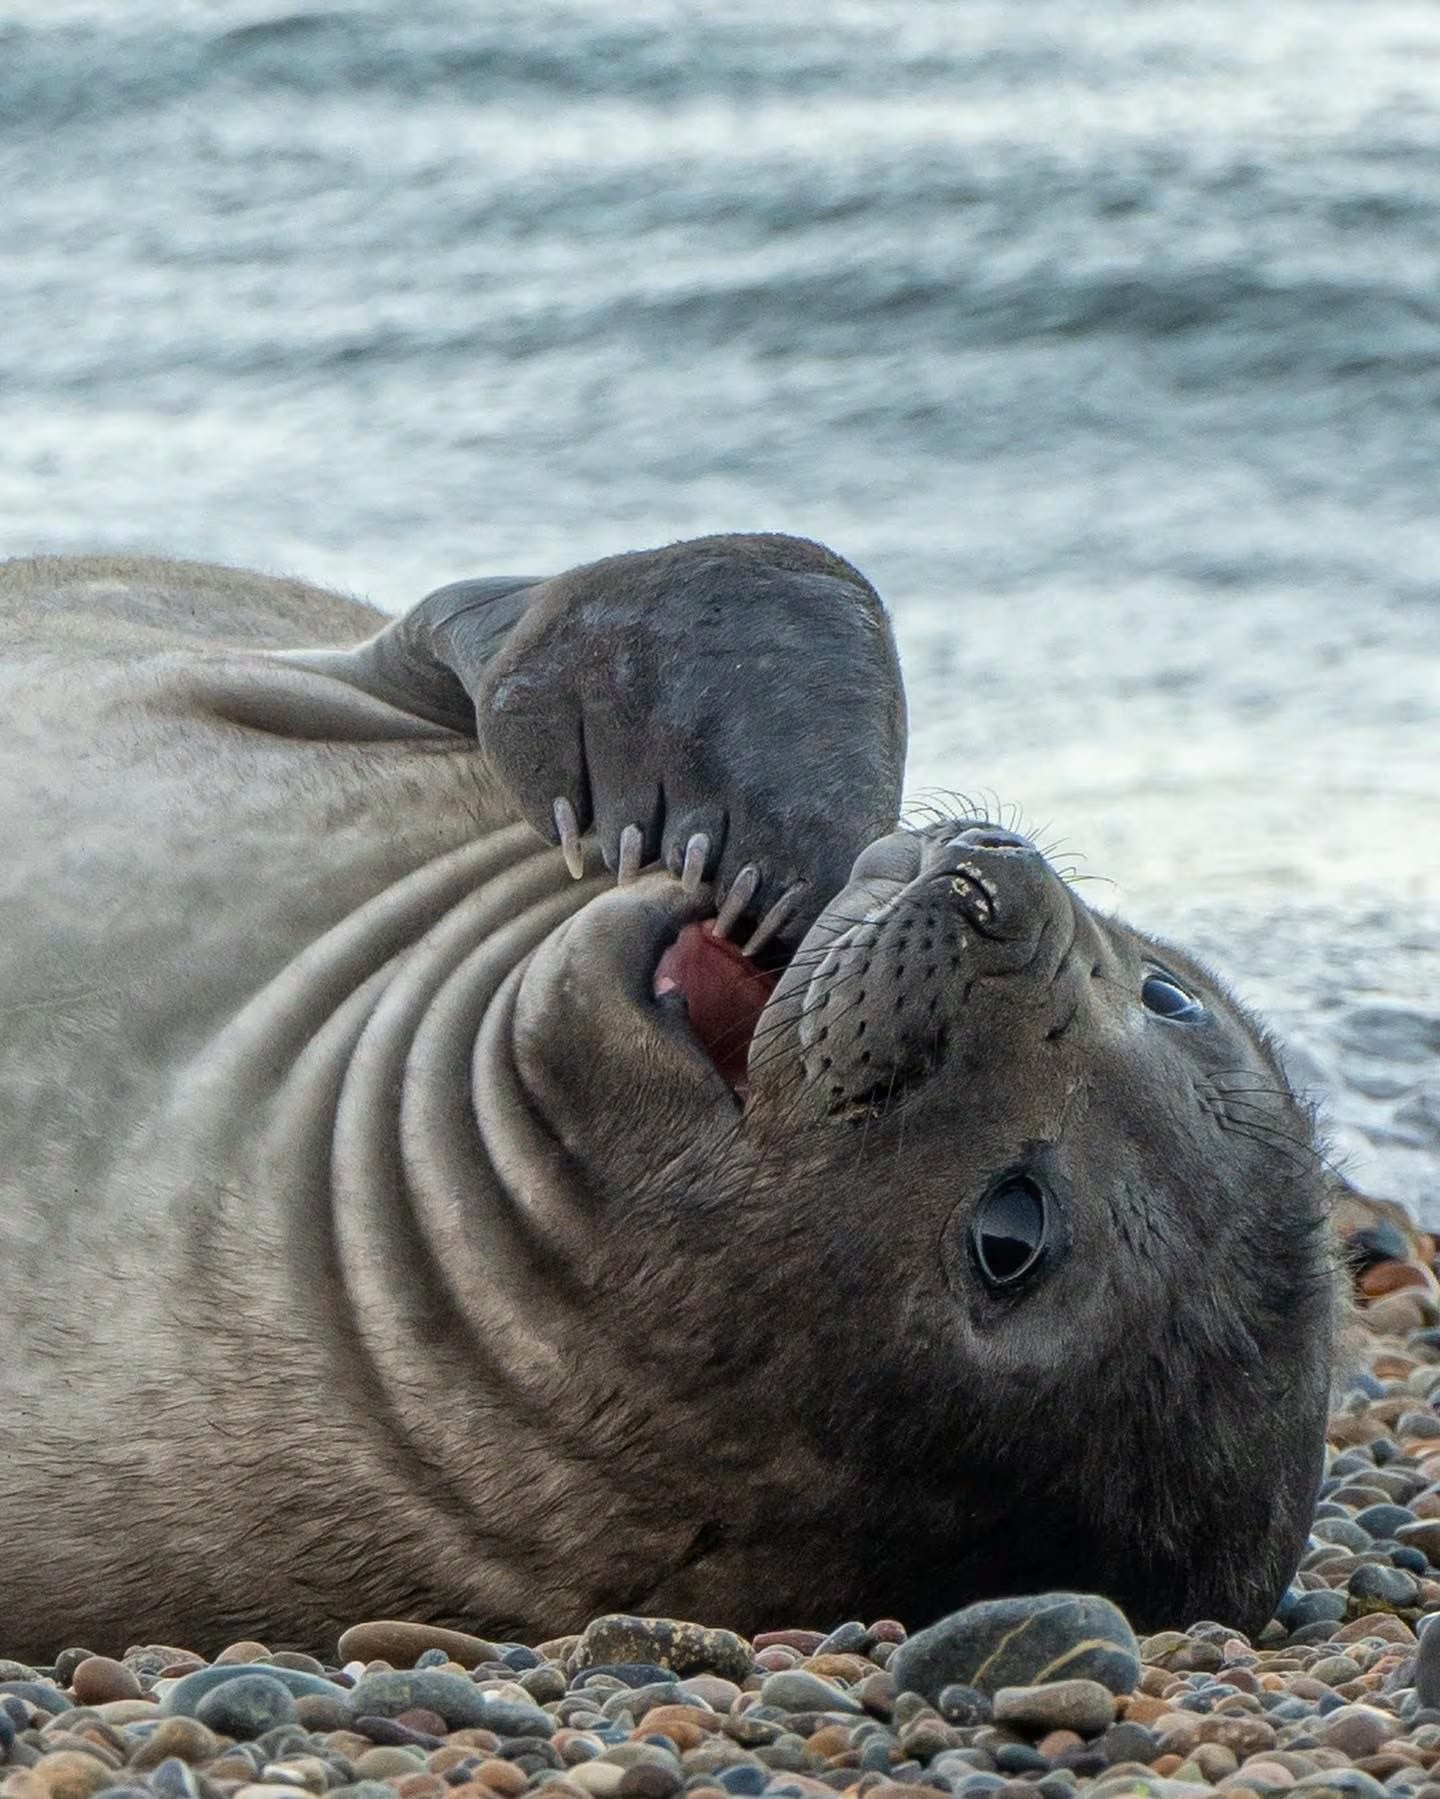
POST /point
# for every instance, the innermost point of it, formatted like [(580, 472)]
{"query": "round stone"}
[(1427, 1667), (1384, 1520), (721, 1694), (183, 1698), (1083, 1706), (390, 1640), (1343, 1531), (805, 1642), (543, 1684), (650, 1780), (796, 1691), (1423, 1535), (120, 1712), (185, 1738), (70, 1774), (500, 1777), (318, 1712), (597, 1778), (454, 1697), (36, 1692), (246, 1706), (1127, 1742), (1349, 1783), (959, 1704), (307, 1771), (1321, 1606), (176, 1779), (1020, 1758), (1358, 1730), (98, 1679), (1371, 1587), (1022, 1642), (385, 1764), (422, 1722), (270, 1790), (669, 1642)]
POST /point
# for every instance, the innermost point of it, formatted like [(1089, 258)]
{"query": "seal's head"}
[(997, 1262)]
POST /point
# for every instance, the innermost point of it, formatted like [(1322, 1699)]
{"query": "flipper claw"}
[(742, 891), (774, 918), (632, 848), (697, 854), (568, 826)]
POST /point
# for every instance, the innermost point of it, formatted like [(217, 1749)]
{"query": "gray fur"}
[(376, 1245)]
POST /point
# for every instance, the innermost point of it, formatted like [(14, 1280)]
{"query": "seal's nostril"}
[(990, 837)]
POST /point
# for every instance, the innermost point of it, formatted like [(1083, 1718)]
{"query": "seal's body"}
[(397, 1224)]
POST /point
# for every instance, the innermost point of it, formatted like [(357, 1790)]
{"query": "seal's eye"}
[(1167, 998), (1008, 1233)]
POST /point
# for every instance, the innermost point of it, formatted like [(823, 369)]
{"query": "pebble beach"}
[(1036, 1697)]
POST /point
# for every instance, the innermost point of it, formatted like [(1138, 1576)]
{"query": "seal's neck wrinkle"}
[(277, 1193), (458, 1226), (428, 1245), (499, 1244), (256, 1051)]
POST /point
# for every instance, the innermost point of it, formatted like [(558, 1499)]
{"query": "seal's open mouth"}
[(724, 992)]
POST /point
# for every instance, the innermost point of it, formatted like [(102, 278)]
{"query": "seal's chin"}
[(723, 991)]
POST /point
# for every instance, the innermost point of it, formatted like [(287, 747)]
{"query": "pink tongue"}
[(725, 994)]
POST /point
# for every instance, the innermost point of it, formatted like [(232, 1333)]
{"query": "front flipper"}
[(731, 707), (409, 665)]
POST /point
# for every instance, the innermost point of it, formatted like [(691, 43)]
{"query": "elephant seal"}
[(824, 1217)]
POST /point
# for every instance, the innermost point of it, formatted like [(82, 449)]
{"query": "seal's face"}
[(1052, 1163)]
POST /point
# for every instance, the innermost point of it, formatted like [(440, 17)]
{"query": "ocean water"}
[(1105, 338)]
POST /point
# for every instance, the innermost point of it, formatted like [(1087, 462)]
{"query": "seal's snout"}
[(997, 880)]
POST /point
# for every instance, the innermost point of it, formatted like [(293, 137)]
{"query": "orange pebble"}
[(501, 1777), (830, 1739), (1392, 1277)]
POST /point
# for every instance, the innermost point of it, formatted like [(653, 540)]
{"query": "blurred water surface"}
[(1106, 339)]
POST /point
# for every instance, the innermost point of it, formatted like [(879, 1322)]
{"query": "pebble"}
[(382, 1763), (186, 1738), (452, 1697), (402, 1645), (126, 1711), (68, 1775), (35, 1692), (246, 1706), (715, 1691), (1022, 1642), (184, 1696), (1372, 1587), (597, 1777), (797, 1691), (1079, 1705), (98, 1679), (671, 1643), (1048, 1696)]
